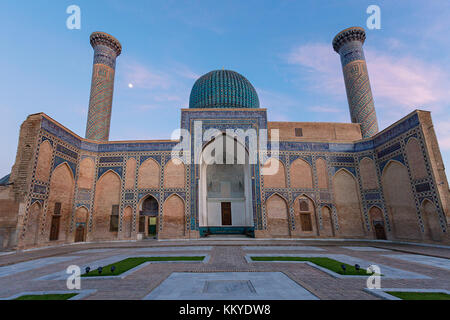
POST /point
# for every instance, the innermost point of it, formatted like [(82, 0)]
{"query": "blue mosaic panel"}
[(423, 187), (102, 170), (388, 150), (110, 159), (39, 189), (59, 160), (66, 151), (129, 196), (342, 159), (372, 196), (399, 158)]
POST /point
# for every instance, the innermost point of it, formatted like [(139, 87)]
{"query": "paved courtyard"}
[(227, 271)]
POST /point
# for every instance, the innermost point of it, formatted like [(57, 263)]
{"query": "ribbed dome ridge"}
[(223, 89)]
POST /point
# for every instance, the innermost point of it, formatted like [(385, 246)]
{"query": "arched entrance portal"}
[(376, 218), (148, 217), (225, 188)]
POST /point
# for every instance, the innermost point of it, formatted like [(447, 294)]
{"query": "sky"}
[(283, 47)]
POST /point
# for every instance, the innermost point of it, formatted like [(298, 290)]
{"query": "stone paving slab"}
[(281, 248), (429, 261), (386, 271), (31, 265), (89, 251), (366, 249), (229, 286), (226, 256), (183, 248)]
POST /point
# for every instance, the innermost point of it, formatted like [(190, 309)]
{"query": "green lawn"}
[(130, 263), (63, 296), (420, 295), (327, 263)]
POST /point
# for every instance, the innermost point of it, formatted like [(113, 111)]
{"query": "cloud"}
[(160, 87), (145, 77), (397, 81), (320, 65), (400, 83), (324, 109), (442, 128)]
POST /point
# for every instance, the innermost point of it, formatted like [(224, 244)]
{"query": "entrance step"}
[(227, 231), (227, 236)]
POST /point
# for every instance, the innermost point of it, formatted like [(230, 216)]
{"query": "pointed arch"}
[(33, 224), (60, 200), (109, 171), (348, 204), (431, 222), (127, 222), (149, 174), (327, 222), (173, 217), (377, 222), (130, 173), (81, 214), (276, 194), (416, 159), (301, 174), (106, 202), (305, 216), (86, 173), (400, 202), (144, 198), (44, 161), (277, 216), (81, 218), (368, 173), (322, 173), (174, 174), (278, 178)]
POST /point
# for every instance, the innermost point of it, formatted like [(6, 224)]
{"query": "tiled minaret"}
[(106, 50), (348, 43)]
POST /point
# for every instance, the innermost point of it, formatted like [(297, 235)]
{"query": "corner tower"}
[(106, 50), (348, 43)]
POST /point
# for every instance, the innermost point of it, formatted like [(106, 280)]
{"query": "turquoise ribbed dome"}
[(223, 89)]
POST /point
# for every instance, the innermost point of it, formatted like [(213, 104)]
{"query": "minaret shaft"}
[(106, 50), (348, 43)]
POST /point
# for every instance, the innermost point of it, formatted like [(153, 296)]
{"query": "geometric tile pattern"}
[(348, 43), (223, 89)]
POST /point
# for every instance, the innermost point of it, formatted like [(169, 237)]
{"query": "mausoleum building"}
[(233, 171)]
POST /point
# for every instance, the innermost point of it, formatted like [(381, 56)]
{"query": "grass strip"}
[(62, 296), (130, 263), (327, 263), (420, 295)]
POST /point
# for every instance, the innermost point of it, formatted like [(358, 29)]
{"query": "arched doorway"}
[(377, 221), (148, 217), (225, 195), (81, 216)]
